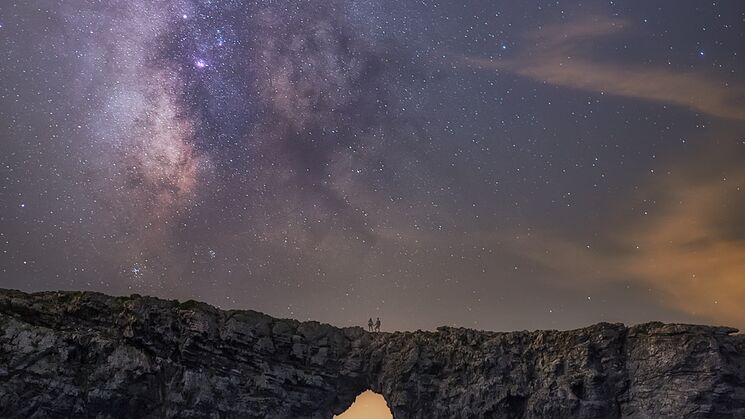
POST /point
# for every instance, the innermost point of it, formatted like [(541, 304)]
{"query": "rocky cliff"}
[(79, 354)]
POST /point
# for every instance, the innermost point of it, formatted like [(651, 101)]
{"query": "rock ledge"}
[(82, 354)]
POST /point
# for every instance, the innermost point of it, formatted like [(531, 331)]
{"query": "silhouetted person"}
[(377, 325), (370, 325)]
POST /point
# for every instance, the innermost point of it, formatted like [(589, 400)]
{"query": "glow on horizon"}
[(368, 405)]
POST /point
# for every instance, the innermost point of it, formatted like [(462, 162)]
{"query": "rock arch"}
[(68, 354)]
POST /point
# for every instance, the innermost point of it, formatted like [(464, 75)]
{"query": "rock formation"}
[(81, 354)]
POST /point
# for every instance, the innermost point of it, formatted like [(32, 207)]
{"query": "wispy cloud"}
[(556, 57), (692, 251)]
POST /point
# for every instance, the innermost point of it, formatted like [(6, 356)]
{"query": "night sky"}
[(490, 164)]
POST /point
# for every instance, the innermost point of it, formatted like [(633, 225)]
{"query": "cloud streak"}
[(556, 59), (691, 251)]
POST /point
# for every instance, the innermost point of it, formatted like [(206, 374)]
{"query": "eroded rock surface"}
[(79, 354)]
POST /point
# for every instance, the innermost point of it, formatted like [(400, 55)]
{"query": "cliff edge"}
[(82, 354)]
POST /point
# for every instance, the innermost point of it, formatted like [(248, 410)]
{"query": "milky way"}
[(485, 164)]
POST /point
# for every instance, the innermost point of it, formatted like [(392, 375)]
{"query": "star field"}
[(497, 165)]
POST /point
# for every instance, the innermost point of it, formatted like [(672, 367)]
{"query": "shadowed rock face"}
[(74, 354)]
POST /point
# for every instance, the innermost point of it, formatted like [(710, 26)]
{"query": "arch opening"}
[(368, 405)]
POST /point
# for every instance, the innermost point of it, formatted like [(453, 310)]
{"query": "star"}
[(378, 146)]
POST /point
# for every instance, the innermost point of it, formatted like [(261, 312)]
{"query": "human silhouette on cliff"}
[(377, 325), (370, 325)]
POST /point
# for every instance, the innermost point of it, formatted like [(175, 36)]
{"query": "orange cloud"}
[(692, 251), (556, 59)]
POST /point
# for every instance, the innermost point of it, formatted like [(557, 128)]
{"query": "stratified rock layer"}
[(79, 354)]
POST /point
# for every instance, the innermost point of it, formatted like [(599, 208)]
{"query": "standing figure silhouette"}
[(370, 325), (377, 325)]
